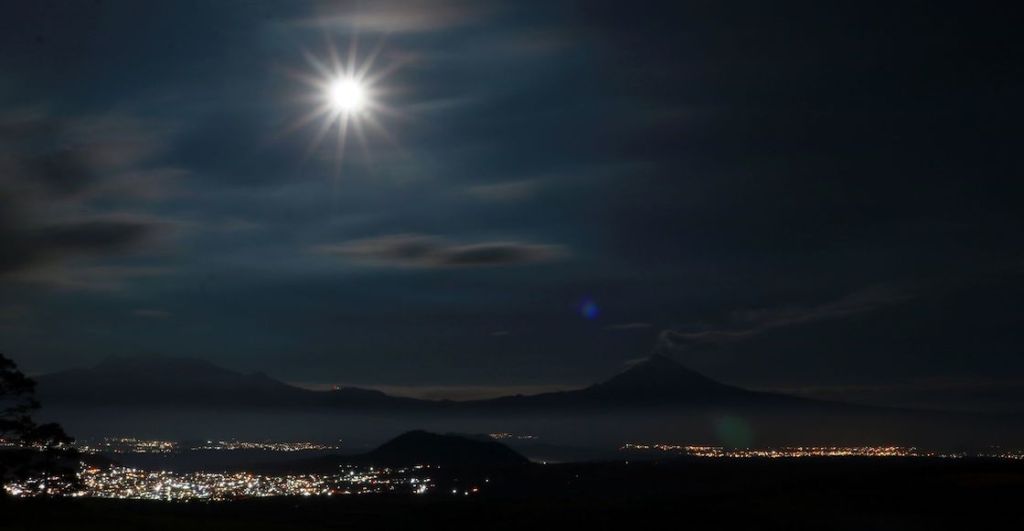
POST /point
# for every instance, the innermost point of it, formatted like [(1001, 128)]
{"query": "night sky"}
[(796, 196)]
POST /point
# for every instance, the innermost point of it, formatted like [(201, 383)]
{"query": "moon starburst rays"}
[(345, 95)]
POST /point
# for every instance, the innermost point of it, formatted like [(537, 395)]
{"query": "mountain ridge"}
[(160, 380), (656, 399)]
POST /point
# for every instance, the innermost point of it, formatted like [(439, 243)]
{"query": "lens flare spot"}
[(589, 310), (734, 432)]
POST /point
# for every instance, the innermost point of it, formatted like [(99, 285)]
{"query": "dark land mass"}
[(845, 494), (419, 446)]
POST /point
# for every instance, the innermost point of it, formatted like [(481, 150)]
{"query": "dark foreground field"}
[(794, 494)]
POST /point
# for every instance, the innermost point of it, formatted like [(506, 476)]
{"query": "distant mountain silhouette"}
[(166, 381), (656, 399), (659, 378), (657, 381), (171, 381)]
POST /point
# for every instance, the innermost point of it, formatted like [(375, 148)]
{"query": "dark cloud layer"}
[(57, 177), (25, 250), (417, 250)]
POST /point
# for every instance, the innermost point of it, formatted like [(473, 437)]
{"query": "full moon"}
[(346, 98), (346, 95)]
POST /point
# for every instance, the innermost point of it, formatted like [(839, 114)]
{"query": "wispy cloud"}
[(424, 251), (504, 192), (69, 276), (152, 313), (398, 16), (749, 323)]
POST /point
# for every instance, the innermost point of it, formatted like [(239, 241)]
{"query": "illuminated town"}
[(130, 483), (788, 452), (301, 446), (123, 482), (132, 445), (504, 436), (127, 445)]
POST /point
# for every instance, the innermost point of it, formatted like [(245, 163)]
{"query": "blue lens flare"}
[(589, 309)]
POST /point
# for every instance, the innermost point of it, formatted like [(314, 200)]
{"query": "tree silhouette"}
[(29, 450)]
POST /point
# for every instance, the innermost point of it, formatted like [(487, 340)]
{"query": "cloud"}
[(147, 184), (115, 139), (507, 191), (94, 235), (72, 276), (53, 158), (60, 183), (399, 16), (423, 251), (750, 323), (49, 245)]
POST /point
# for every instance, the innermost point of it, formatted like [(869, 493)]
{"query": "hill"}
[(417, 447), (422, 447)]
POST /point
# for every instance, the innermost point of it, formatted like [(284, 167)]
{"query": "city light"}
[(789, 452), (132, 445), (131, 483)]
